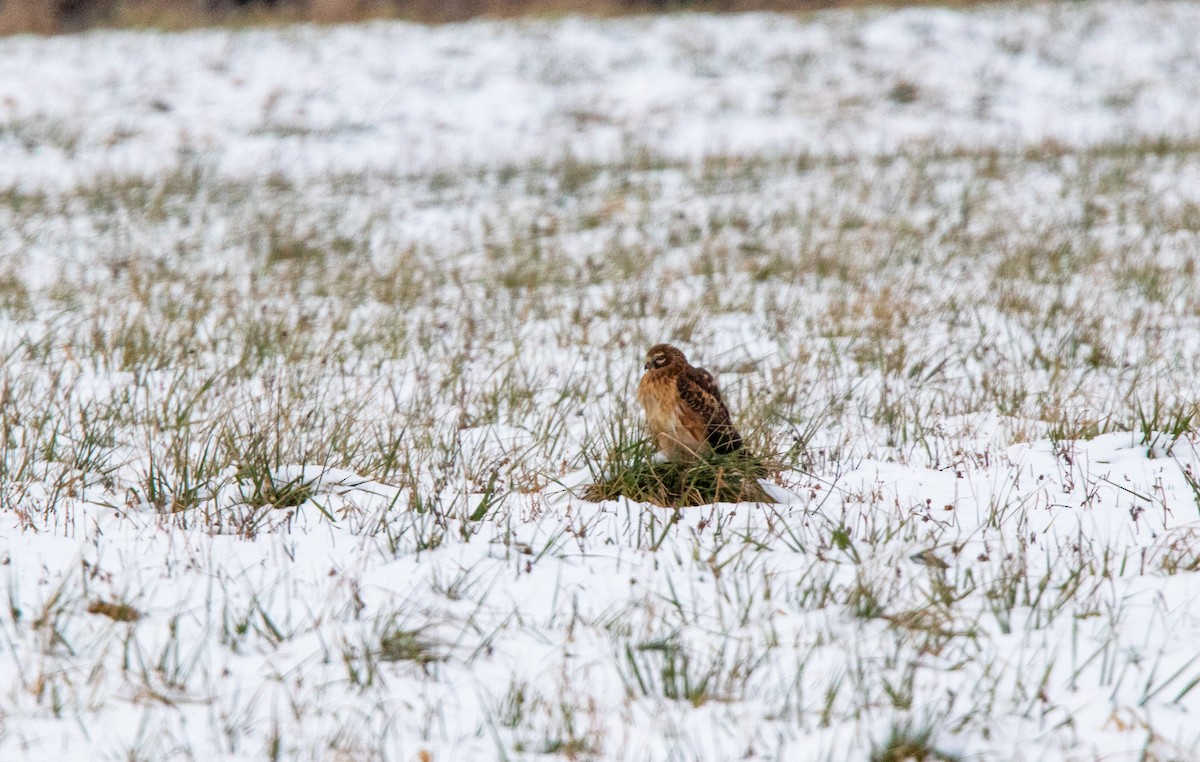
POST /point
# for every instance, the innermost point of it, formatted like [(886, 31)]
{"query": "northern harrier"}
[(684, 410)]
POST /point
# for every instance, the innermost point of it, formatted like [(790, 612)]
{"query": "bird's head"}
[(661, 355)]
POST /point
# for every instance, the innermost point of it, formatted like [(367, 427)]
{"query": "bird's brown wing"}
[(700, 396)]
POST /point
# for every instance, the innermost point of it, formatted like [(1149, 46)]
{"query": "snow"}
[(979, 540), (410, 99)]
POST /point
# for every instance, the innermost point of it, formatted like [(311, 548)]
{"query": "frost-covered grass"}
[(296, 453)]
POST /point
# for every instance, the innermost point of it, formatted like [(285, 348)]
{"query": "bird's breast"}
[(657, 396)]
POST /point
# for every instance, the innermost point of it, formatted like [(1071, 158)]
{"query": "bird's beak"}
[(646, 365)]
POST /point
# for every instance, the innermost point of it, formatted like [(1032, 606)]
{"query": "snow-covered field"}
[(311, 338)]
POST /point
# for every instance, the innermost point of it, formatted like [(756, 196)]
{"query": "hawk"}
[(684, 410)]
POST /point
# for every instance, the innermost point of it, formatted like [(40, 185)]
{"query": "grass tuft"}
[(907, 742), (406, 645), (629, 469)]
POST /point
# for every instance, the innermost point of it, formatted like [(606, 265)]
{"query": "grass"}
[(667, 668), (911, 742), (629, 469), (460, 385), (406, 645), (972, 372)]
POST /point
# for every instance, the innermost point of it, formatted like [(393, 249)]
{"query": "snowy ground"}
[(309, 336)]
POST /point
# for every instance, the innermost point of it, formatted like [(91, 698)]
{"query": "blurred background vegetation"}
[(64, 16)]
